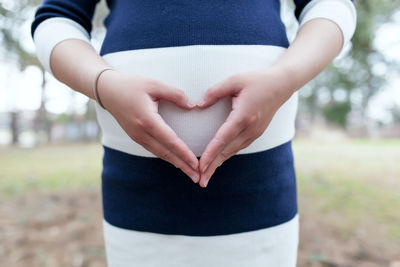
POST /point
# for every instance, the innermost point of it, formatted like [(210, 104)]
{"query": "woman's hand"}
[(133, 101), (256, 96)]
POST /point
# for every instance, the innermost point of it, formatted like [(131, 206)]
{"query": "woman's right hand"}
[(133, 101)]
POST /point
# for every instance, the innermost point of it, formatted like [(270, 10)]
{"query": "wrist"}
[(284, 85), (288, 75), (101, 86)]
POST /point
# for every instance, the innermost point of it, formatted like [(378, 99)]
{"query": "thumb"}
[(172, 94), (219, 90)]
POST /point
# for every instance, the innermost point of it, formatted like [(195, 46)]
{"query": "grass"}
[(52, 167), (356, 180)]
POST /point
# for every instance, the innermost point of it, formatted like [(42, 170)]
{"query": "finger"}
[(243, 140), (152, 145), (171, 93), (225, 134), (161, 131), (227, 87)]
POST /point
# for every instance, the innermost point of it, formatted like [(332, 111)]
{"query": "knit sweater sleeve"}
[(58, 20), (342, 12)]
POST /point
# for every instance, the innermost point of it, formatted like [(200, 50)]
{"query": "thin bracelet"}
[(95, 92)]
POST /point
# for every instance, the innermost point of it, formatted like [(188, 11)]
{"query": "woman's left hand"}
[(256, 96)]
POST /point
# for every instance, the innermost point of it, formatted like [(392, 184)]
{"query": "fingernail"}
[(206, 182), (201, 102), (190, 103)]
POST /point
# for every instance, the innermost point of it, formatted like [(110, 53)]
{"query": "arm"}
[(309, 53), (64, 49), (68, 67), (317, 43), (257, 95)]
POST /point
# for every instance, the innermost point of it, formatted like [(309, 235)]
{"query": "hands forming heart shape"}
[(256, 96)]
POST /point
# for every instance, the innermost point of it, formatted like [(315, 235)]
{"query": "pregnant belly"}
[(194, 69)]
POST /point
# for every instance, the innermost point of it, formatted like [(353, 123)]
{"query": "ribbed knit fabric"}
[(149, 204)]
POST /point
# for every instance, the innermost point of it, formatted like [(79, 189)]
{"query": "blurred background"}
[(347, 151)]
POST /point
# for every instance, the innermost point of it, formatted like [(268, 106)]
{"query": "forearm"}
[(316, 44), (75, 63)]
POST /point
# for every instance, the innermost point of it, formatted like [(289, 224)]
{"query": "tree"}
[(355, 74), (11, 19)]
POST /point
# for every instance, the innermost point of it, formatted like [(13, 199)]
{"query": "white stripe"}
[(342, 12), (194, 68), (52, 31), (268, 247)]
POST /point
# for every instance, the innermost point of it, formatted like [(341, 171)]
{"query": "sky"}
[(22, 90)]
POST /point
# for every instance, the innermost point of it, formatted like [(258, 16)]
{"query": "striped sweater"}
[(193, 44)]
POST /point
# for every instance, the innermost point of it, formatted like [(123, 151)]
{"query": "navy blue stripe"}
[(142, 24), (81, 11), (300, 5), (247, 192), (168, 23)]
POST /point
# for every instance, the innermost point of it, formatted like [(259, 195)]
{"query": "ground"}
[(349, 203)]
